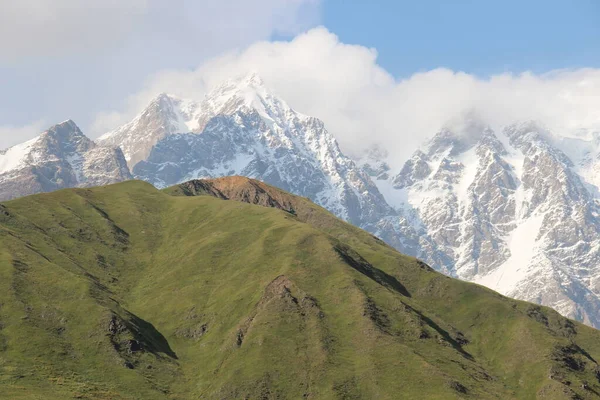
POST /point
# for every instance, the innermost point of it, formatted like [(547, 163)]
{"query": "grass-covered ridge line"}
[(128, 292)]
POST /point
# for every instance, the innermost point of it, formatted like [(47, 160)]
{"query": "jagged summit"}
[(167, 114), (509, 210), (68, 123), (65, 138), (251, 79), (245, 94), (241, 127), (459, 135), (246, 130), (59, 157)]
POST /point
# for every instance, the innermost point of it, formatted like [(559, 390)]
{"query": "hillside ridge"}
[(125, 291)]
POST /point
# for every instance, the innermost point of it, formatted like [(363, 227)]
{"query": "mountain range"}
[(509, 210), (514, 209)]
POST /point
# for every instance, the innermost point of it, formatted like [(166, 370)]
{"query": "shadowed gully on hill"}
[(230, 288)]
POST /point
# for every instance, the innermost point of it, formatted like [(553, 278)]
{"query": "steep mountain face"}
[(59, 158), (247, 131), (164, 116), (508, 210), (128, 292)]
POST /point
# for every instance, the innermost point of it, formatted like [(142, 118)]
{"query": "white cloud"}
[(43, 27), (362, 104), (70, 58), (52, 28)]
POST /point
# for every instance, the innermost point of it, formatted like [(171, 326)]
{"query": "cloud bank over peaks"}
[(71, 58), (362, 104)]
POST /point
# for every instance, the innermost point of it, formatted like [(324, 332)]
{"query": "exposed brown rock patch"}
[(239, 188)]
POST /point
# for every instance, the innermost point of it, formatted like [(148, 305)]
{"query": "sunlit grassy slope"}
[(128, 292)]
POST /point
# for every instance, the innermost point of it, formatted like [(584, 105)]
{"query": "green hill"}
[(128, 292)]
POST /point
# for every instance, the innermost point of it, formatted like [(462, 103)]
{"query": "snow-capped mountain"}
[(245, 130), (164, 116), (515, 209), (505, 209), (508, 210), (60, 157)]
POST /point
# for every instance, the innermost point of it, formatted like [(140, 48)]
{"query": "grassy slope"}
[(126, 292)]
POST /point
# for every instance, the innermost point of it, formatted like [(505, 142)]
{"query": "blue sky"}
[(482, 37)]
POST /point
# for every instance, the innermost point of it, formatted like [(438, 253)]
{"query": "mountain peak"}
[(460, 135), (64, 130), (245, 93), (251, 79), (247, 87), (62, 135), (162, 103), (65, 138), (168, 98), (60, 157), (68, 122), (527, 126), (159, 98)]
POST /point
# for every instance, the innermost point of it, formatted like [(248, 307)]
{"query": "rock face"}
[(508, 210), (238, 188), (59, 158), (164, 116)]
